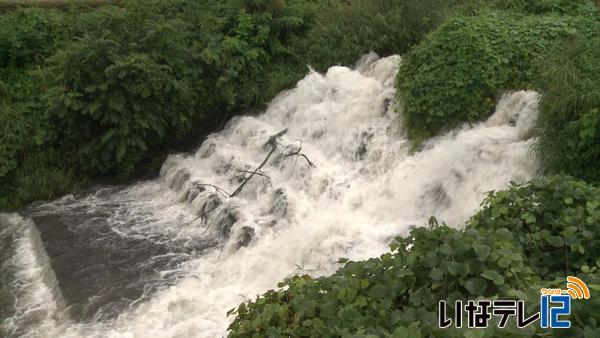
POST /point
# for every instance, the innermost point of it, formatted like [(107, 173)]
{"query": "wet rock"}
[(435, 196), (208, 150), (194, 191), (212, 202), (387, 104), (246, 236), (317, 134), (440, 197), (362, 149), (223, 222), (181, 176), (279, 205), (458, 176), (361, 152)]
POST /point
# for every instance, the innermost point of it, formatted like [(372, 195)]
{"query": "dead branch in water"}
[(204, 213), (218, 189), (297, 152), (230, 166), (273, 143)]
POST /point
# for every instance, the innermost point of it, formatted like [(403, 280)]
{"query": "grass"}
[(8, 5)]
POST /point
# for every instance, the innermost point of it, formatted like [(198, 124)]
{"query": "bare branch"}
[(273, 143), (239, 189), (218, 189), (260, 173), (200, 216), (298, 153), (273, 139)]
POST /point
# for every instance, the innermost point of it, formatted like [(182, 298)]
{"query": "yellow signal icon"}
[(577, 288)]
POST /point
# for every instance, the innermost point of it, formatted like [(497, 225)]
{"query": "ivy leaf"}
[(364, 283), (476, 286), (379, 291), (458, 268), (437, 274), (482, 251), (493, 276)]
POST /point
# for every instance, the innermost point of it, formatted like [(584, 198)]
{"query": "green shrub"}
[(569, 120), (40, 176), (29, 35), (142, 75), (257, 38), (119, 83), (113, 96), (454, 75), (29, 168), (556, 220), (347, 30), (547, 6), (116, 85), (494, 257)]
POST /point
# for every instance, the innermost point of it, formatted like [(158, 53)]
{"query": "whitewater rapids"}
[(365, 188)]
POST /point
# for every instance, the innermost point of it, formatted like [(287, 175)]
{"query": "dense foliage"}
[(569, 121), (527, 237), (99, 91), (538, 7), (28, 36), (346, 30), (556, 221), (29, 169), (456, 73), (113, 94)]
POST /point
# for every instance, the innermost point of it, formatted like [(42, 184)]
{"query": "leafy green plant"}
[(257, 38), (555, 219), (29, 35), (569, 120), (347, 30), (546, 6), (29, 168), (115, 85), (456, 73), (113, 97)]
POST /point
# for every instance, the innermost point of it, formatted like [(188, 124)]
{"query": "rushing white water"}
[(365, 188), (38, 301)]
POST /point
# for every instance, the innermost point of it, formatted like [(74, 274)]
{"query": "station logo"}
[(555, 307)]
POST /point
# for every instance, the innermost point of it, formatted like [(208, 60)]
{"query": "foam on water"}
[(365, 189), (38, 302)]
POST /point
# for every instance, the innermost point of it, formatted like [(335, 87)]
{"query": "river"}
[(168, 257)]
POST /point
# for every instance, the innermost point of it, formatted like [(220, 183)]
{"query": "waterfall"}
[(197, 253)]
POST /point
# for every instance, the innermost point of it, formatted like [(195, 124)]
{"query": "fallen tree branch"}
[(273, 143), (260, 173), (239, 189), (273, 139), (251, 172), (200, 216), (298, 153), (218, 189)]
